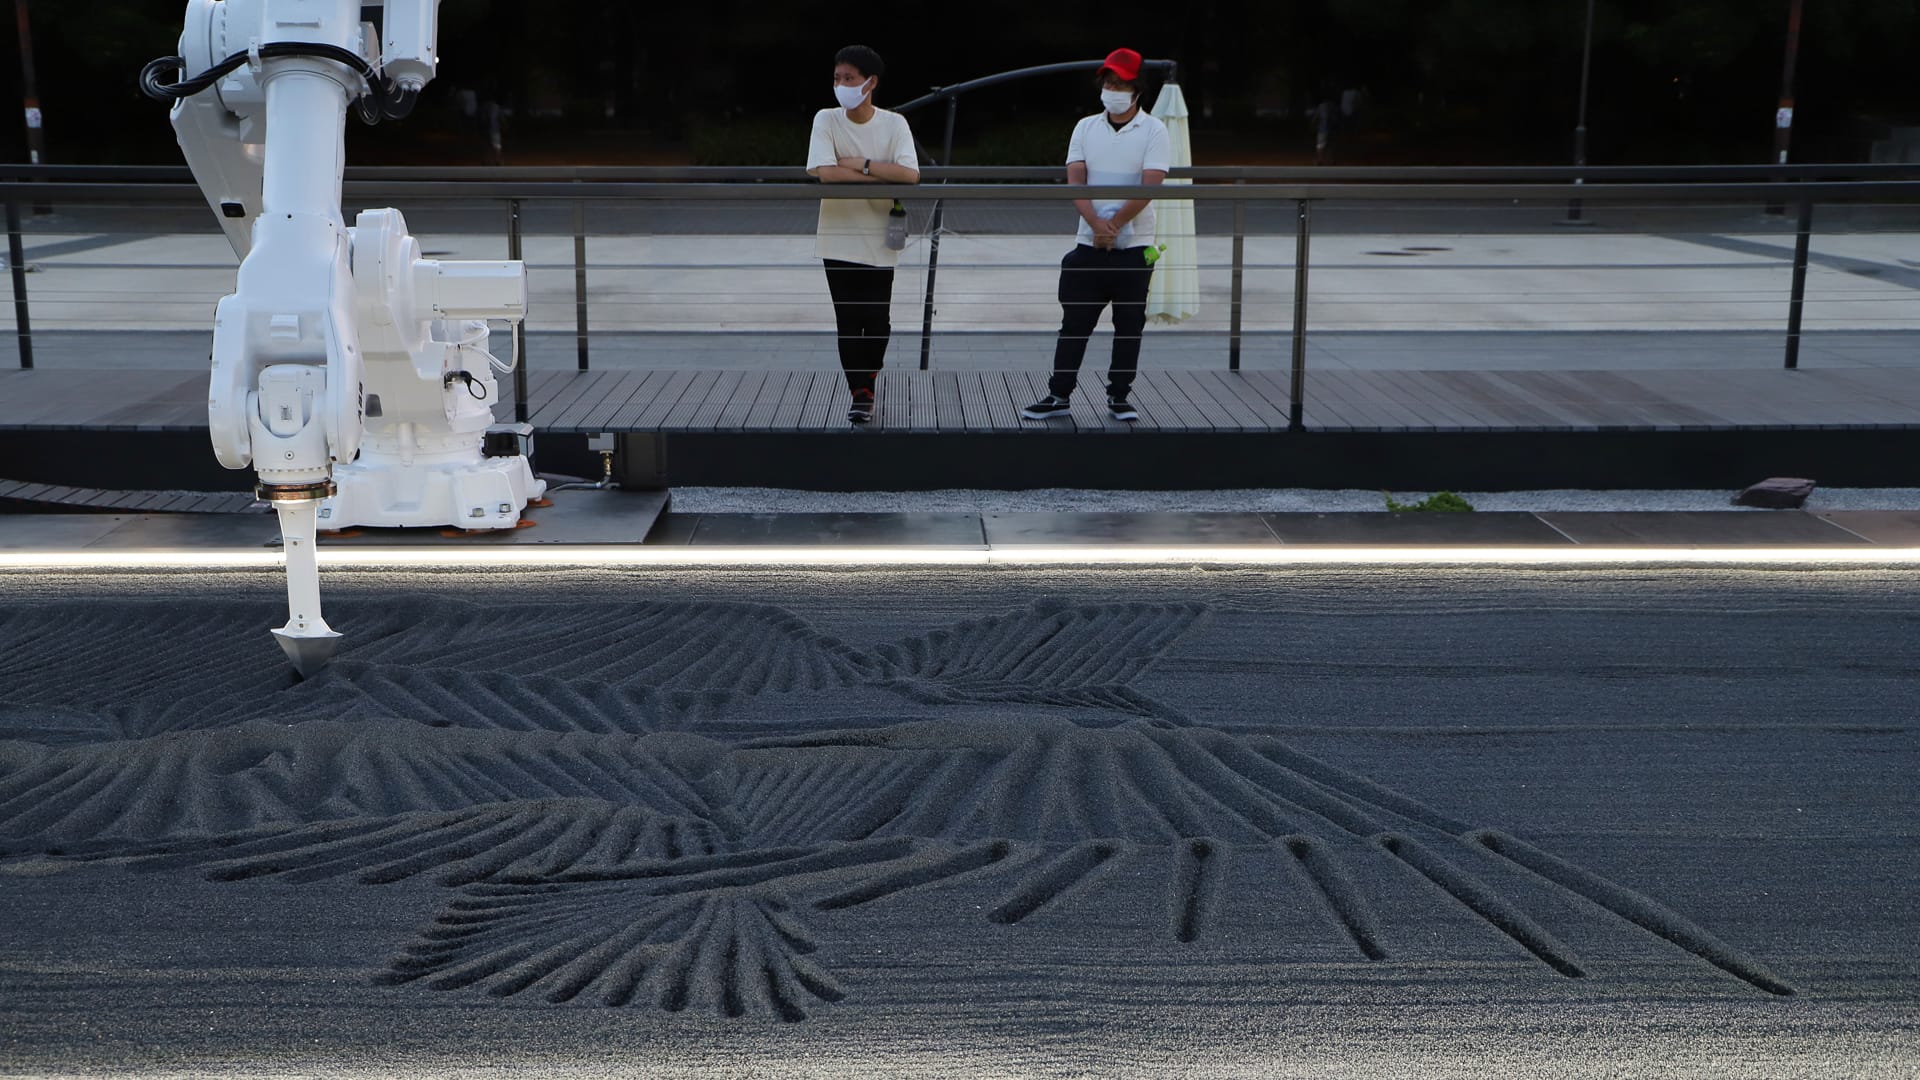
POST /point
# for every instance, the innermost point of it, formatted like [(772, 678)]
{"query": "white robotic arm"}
[(349, 372)]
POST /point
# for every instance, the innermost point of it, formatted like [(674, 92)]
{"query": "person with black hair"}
[(1111, 263), (858, 143)]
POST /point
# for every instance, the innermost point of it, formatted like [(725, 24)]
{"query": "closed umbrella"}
[(1174, 295)]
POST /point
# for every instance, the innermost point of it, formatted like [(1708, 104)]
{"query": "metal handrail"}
[(1443, 174), (1801, 185), (612, 191)]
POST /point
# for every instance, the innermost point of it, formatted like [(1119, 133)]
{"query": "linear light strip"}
[(633, 555)]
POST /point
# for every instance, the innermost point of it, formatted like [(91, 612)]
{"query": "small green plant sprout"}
[(1443, 502)]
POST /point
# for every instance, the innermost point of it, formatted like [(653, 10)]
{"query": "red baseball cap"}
[(1124, 63)]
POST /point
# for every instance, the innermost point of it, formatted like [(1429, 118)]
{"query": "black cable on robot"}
[(383, 99)]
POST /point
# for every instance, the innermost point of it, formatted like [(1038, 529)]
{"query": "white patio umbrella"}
[(1174, 295)]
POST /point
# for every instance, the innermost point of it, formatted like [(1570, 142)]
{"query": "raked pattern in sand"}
[(654, 805)]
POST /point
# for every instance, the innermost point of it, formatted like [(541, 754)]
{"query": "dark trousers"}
[(1090, 279), (862, 309)]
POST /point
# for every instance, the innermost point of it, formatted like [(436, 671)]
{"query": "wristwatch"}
[(867, 169)]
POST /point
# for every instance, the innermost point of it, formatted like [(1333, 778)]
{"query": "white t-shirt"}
[(1119, 157), (855, 230)]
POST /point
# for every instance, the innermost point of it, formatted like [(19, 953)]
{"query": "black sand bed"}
[(1002, 823)]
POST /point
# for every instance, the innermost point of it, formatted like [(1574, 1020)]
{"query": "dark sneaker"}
[(1050, 405), (862, 410), (1120, 410)]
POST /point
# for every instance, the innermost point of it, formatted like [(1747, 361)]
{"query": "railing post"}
[(17, 262), (580, 278), (519, 328), (1797, 297), (1296, 407), (1239, 265), (933, 245)]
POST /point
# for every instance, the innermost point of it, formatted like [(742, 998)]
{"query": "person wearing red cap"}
[(1120, 145)]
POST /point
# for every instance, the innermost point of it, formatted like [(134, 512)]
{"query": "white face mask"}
[(851, 97), (1116, 101)]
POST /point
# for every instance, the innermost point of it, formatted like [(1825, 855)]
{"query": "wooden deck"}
[(988, 402)]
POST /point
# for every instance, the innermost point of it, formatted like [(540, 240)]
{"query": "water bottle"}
[(897, 227)]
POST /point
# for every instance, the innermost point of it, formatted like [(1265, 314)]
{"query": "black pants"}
[(862, 309), (1090, 279)]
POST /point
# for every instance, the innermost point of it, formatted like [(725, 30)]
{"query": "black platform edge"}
[(877, 461), (184, 461), (1457, 461)]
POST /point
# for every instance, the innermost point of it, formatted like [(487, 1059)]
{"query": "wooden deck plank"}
[(733, 414), (1736, 402), (1359, 403), (1404, 402), (1489, 397), (1148, 420), (1325, 408), (681, 416), (923, 407), (947, 412), (667, 412), (1027, 387), (773, 394), (973, 401), (989, 401), (565, 396), (827, 403), (632, 416), (1146, 397), (1264, 414), (895, 403), (1089, 413), (537, 384), (1226, 400), (1188, 415), (1274, 389), (43, 399), (1672, 407), (1549, 395), (636, 386), (177, 405), (1002, 410), (793, 404), (707, 413), (562, 393), (596, 398), (1435, 404)]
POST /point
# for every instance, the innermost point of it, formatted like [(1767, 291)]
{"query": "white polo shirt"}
[(1119, 157)]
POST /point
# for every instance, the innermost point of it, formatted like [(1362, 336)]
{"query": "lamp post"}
[(1580, 122), (36, 135), (1783, 115)]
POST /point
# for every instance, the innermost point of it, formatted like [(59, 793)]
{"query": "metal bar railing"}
[(1804, 185), (117, 190), (580, 280), (1236, 287), (520, 400), (933, 251), (1797, 295), (1297, 387), (17, 262), (1597, 175)]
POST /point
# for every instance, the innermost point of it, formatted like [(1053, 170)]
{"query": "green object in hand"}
[(1153, 253)]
